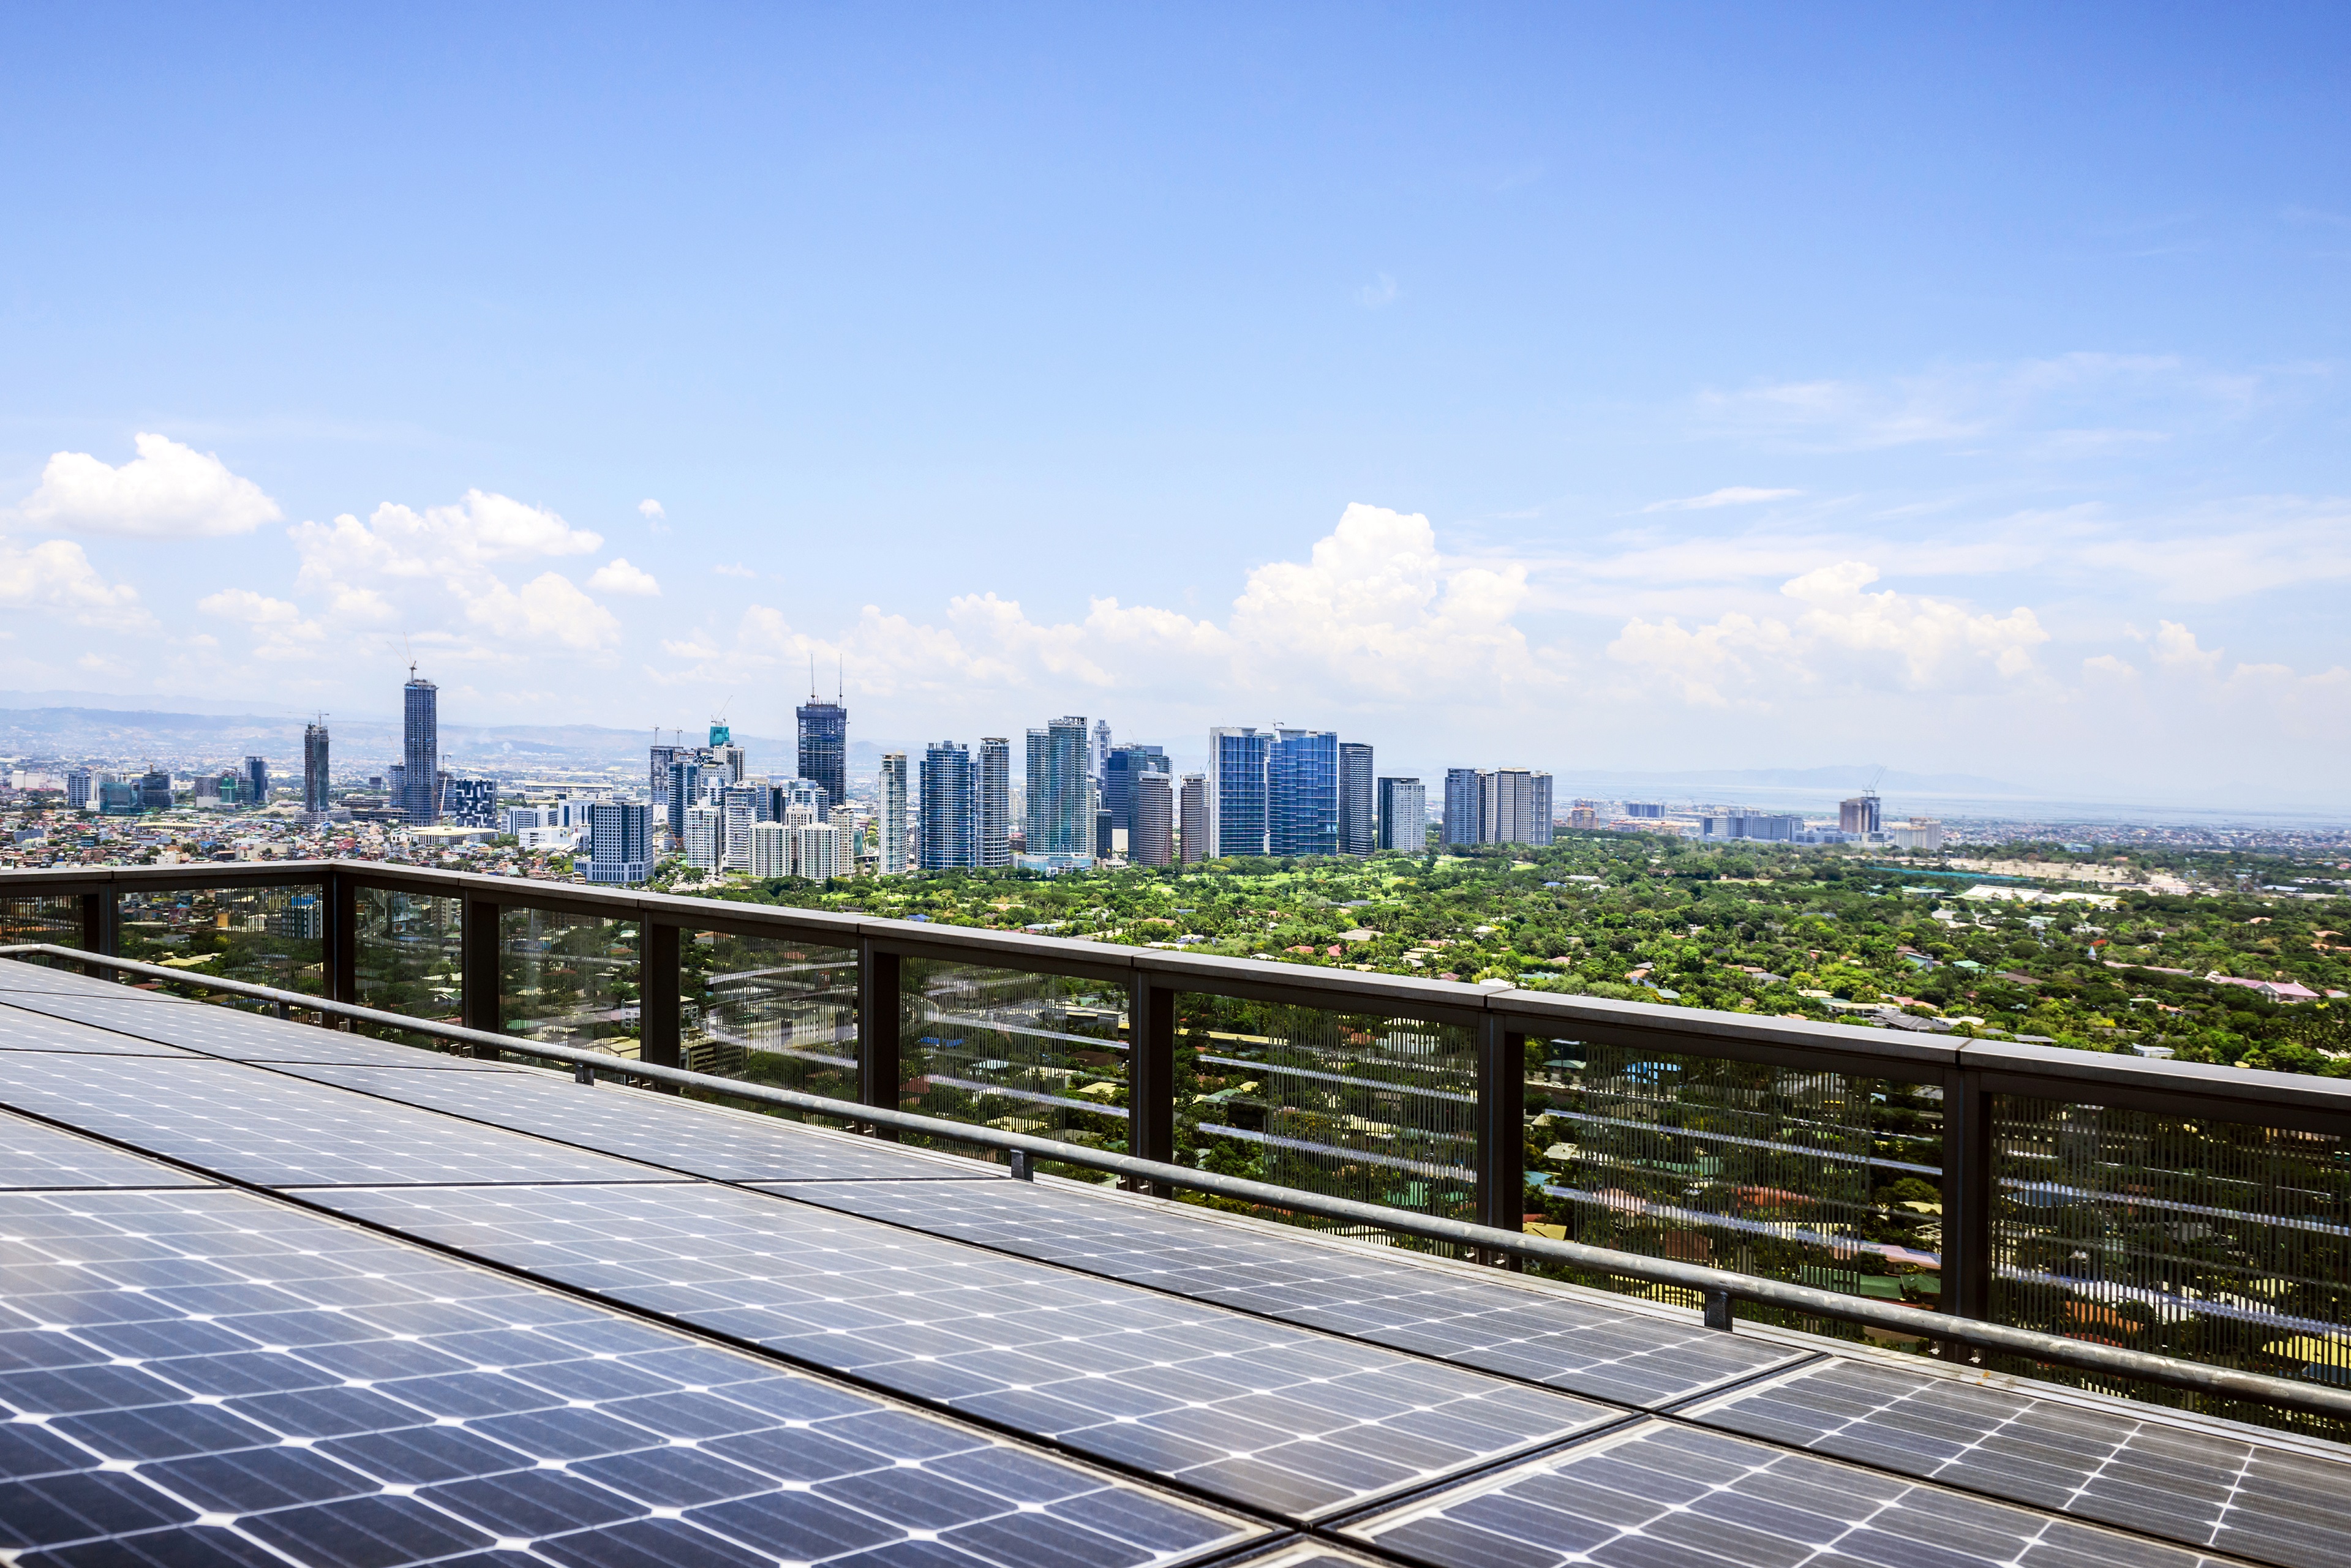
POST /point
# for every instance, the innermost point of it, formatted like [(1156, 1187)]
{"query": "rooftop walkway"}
[(270, 1292)]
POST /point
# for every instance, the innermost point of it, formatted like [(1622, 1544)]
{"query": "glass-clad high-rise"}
[(1060, 793), (1303, 781), (1128, 765), (890, 825), (992, 801), (948, 841), (1238, 784), (1358, 821), (824, 753), (420, 749), (314, 766)]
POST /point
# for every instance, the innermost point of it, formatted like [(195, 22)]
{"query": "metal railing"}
[(2102, 1196)]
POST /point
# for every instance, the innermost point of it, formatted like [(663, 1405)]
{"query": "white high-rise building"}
[(771, 852), (849, 836), (706, 837), (895, 824), (815, 851)]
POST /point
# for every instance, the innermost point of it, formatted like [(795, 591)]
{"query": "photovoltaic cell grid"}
[(20, 974), (33, 1155), (1273, 1417), (185, 1377), (1623, 1355), (662, 1130), (2206, 1488), (25, 1030), (231, 1033), (1661, 1495), (275, 1131)]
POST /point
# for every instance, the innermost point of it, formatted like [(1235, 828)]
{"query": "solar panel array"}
[(871, 1355), (1663, 1496), (1608, 1350), (2203, 1487), (208, 1376)]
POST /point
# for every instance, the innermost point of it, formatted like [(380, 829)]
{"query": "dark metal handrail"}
[(1719, 1287)]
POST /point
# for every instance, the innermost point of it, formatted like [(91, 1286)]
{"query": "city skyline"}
[(2002, 441)]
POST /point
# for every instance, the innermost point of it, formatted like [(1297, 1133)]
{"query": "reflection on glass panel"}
[(1798, 1174), (409, 954), (265, 935), (2213, 1241), (56, 921), (769, 1011), (1358, 1105), (1043, 1054), (568, 980)]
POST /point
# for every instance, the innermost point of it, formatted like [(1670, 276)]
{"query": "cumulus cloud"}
[(438, 569), (56, 575), (1729, 495), (280, 631), (168, 491), (734, 568), (617, 576), (1847, 634), (655, 518)]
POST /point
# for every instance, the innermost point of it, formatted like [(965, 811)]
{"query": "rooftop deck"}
[(270, 1292)]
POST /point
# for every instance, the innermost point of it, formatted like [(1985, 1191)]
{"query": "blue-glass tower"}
[(949, 831), (1238, 803), (420, 749), (1303, 781)]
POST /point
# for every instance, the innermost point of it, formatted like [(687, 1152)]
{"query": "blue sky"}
[(1656, 388)]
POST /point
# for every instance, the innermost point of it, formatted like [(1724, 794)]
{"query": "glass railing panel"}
[(1043, 1054), (1368, 1106), (769, 1011), (2213, 1241), (56, 921), (263, 935), (1815, 1177), (407, 957), (568, 980)]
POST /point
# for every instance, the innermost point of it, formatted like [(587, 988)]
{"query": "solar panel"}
[(1257, 1412), (19, 975), (265, 1127), (23, 1030), (2205, 1488), (1657, 1495), (662, 1130), (198, 1376), (233, 1033), (1626, 1353), (33, 1155)]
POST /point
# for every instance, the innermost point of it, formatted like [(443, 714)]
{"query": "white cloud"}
[(1845, 637), (2174, 648), (1729, 495), (168, 491), (56, 575), (436, 569), (734, 568), (279, 629), (1378, 294), (655, 518), (617, 576)]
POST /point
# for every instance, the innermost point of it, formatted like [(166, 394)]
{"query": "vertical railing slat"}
[(479, 969)]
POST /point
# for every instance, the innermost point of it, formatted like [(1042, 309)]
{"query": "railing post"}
[(101, 929), (658, 1027), (479, 969), (877, 1028), (1151, 1072), (1967, 1195), (1502, 1126), (339, 939)]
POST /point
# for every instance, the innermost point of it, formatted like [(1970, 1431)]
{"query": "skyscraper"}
[(1464, 807), (1358, 821), (892, 828), (1193, 817), (254, 778), (824, 753), (948, 840), (619, 848), (1126, 765), (420, 750), (78, 789), (1099, 763), (1236, 791), (992, 801), (724, 755), (1404, 815), (657, 792), (1303, 784), (684, 788), (1861, 814), (314, 766), (1150, 834), (1059, 791), (706, 837)]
